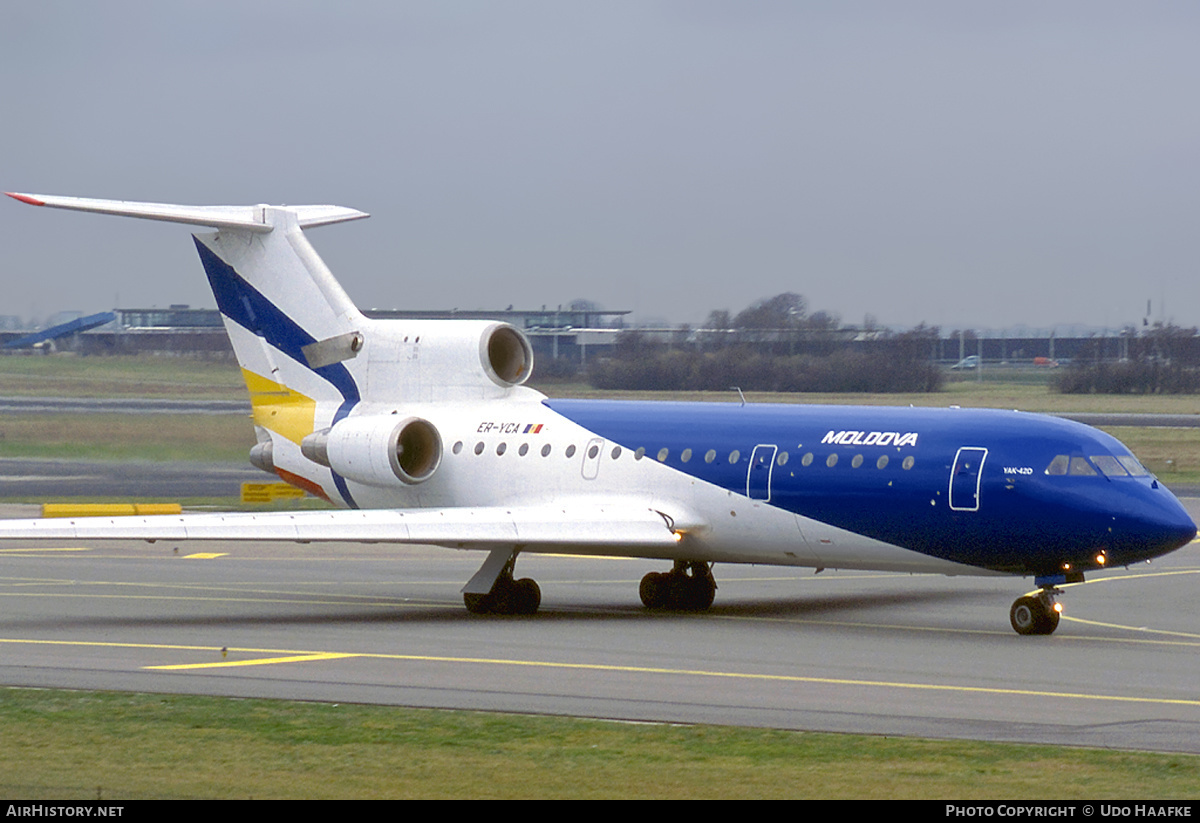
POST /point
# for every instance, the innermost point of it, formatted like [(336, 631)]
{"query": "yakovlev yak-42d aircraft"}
[(423, 433)]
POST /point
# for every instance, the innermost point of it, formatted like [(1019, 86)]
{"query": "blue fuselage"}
[(986, 488)]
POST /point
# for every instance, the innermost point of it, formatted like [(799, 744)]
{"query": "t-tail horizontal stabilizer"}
[(246, 218)]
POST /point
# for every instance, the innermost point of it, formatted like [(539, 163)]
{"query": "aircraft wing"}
[(577, 528)]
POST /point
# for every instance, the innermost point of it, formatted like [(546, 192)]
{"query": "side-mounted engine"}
[(378, 450), (402, 366)]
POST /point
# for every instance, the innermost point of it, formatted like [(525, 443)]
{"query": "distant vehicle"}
[(1045, 363), (971, 362)]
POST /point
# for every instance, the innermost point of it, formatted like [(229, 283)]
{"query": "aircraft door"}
[(965, 478), (758, 477), (591, 458)]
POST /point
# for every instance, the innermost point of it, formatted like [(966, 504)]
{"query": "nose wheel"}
[(1036, 613)]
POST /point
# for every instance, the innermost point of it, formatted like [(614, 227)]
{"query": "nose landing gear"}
[(1036, 613)]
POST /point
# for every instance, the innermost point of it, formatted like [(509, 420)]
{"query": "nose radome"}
[(1161, 526)]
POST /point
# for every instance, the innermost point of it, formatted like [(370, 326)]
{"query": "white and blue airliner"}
[(421, 431)]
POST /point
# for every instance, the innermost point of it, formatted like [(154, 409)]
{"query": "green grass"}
[(65, 375), (203, 437), (990, 395), (1174, 454), (84, 745)]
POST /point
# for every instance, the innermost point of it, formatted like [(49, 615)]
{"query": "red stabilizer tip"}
[(25, 198)]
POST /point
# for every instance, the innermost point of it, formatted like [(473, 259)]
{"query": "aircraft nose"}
[(1160, 526)]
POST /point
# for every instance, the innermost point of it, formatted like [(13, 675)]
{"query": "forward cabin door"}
[(758, 478), (965, 478)]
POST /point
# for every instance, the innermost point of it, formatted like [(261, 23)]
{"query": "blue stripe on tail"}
[(250, 309)]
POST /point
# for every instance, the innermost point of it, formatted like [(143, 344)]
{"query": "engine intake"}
[(506, 355), (378, 451)]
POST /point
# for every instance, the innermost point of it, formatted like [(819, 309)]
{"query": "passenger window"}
[(782, 459), (640, 453), (831, 460), (570, 451), (1058, 465), (686, 455), (710, 455), (592, 452), (857, 461), (616, 452), (734, 456), (662, 455), (546, 450), (908, 463), (524, 450), (458, 447), (479, 447), (882, 462), (807, 459), (501, 449)]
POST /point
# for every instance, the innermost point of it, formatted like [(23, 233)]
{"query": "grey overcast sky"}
[(967, 164)]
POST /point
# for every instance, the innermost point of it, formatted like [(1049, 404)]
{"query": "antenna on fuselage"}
[(738, 389)]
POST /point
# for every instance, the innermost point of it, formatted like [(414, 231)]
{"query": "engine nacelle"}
[(377, 450), (506, 355), (423, 361)]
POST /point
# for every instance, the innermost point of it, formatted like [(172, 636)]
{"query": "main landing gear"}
[(505, 595), (687, 587), (1036, 613)]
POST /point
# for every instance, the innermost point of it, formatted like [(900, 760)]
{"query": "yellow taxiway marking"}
[(1127, 577), (1138, 629), (205, 555), (293, 655), (261, 661), (750, 676)]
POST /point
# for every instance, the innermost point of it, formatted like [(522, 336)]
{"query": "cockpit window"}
[(1107, 464), (1132, 465), (1120, 465), (1081, 468)]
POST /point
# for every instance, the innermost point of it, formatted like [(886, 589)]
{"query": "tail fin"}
[(288, 319), (295, 332)]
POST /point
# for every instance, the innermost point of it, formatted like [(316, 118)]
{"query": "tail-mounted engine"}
[(506, 355), (378, 450), (422, 361)]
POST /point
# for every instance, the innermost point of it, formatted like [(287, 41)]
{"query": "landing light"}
[(1058, 607), (677, 535), (1101, 559)]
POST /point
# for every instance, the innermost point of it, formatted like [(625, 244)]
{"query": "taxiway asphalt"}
[(839, 651), (57, 479)]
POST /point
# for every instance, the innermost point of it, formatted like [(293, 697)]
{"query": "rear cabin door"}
[(591, 458)]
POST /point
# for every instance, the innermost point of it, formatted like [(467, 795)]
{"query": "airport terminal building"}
[(570, 337)]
